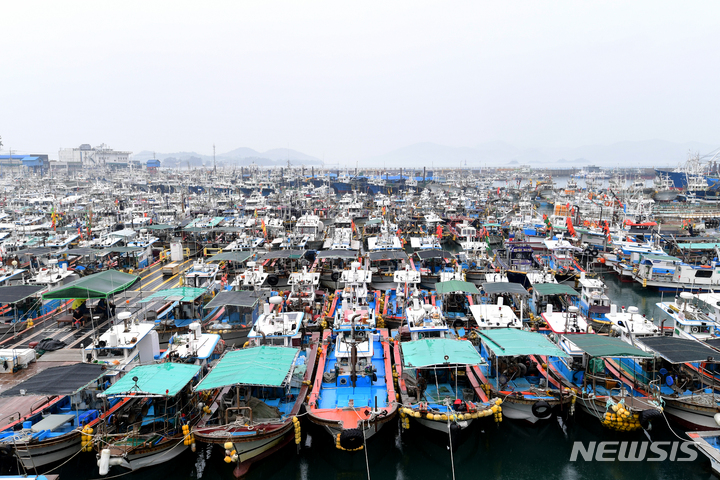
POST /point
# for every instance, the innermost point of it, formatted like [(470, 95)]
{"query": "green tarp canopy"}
[(509, 342), (159, 380), (181, 294), (439, 352), (231, 257), (602, 346), (554, 289), (265, 365), (455, 286), (97, 285)]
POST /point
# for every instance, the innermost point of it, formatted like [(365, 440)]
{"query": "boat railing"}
[(39, 402), (227, 410)]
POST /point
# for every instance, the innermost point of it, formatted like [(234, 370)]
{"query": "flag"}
[(262, 225), (54, 218), (383, 210), (352, 225), (571, 229)]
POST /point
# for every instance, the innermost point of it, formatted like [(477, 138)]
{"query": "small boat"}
[(202, 275), (194, 347), (262, 391), (353, 395), (162, 431), (125, 345), (512, 372), (617, 401), (438, 385), (61, 427)]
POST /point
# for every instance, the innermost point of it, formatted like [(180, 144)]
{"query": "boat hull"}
[(47, 453)]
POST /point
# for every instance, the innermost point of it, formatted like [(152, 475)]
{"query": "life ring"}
[(541, 409), (351, 439), (335, 276), (608, 203), (273, 280)]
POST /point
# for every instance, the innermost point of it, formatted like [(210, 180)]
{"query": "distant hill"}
[(239, 156), (493, 154)]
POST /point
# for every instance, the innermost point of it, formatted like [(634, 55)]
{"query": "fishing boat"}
[(353, 394), (593, 301), (512, 371), (125, 345), (617, 401), (438, 386), (194, 347), (671, 274), (60, 427), (202, 275), (237, 312), (383, 265), (682, 375), (262, 389), (561, 259), (455, 298), (690, 320), (304, 287), (163, 429)]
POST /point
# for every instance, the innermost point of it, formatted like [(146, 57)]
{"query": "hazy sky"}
[(349, 80)]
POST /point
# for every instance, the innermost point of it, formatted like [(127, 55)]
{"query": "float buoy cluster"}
[(230, 453), (619, 418), (298, 432), (189, 437), (497, 410), (405, 421), (87, 439)]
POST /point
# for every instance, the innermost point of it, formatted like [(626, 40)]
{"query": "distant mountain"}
[(239, 156), (645, 153)]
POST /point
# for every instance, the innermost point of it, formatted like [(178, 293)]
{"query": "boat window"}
[(703, 273)]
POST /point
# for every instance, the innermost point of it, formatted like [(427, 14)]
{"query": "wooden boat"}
[(256, 412), (161, 431)]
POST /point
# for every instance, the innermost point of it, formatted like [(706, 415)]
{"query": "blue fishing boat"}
[(63, 425), (439, 387), (618, 402), (353, 395), (512, 371)]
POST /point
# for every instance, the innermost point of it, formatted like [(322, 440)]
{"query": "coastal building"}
[(99, 156)]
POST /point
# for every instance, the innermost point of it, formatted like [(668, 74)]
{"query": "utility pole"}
[(214, 166)]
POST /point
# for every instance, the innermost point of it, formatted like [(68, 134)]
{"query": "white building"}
[(94, 157)]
